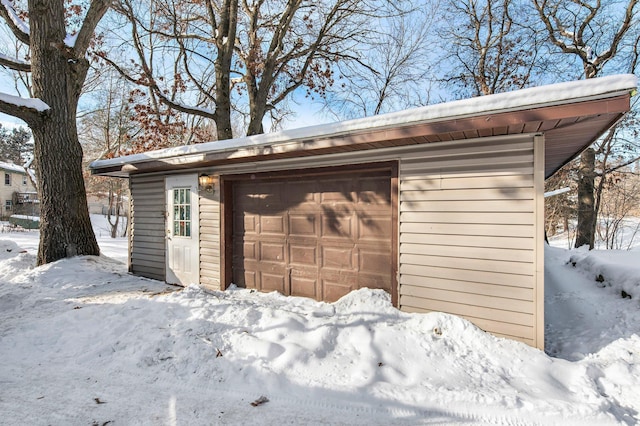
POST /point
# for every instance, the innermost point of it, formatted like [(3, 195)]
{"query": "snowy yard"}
[(84, 343)]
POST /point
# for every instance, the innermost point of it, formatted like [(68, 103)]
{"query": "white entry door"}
[(183, 263)]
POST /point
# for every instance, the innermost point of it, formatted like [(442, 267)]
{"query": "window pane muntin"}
[(182, 212)]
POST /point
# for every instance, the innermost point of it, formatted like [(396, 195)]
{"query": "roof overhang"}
[(570, 115)]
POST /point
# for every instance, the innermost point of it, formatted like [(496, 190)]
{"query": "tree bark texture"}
[(58, 76), (586, 201)]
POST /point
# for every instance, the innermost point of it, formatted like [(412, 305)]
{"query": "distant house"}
[(17, 193), (441, 206)]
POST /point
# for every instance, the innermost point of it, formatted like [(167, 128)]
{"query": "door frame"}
[(173, 182), (226, 210)]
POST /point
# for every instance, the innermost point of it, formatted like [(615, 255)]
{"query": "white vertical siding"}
[(468, 216), (147, 236), (210, 238)]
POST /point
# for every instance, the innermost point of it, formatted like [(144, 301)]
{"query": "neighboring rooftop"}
[(572, 115), (12, 167)]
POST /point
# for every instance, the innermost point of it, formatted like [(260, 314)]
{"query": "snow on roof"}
[(11, 167), (548, 95)]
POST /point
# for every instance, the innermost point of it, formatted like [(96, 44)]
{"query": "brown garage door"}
[(318, 237)]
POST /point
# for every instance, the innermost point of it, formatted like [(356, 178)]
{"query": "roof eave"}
[(298, 139)]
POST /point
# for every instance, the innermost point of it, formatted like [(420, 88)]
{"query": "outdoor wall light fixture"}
[(207, 183)]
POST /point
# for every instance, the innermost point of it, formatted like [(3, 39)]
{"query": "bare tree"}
[(594, 33), (58, 41), (488, 47), (619, 203), (208, 57), (393, 71), (107, 131), (560, 208)]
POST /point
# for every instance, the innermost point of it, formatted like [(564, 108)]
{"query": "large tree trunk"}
[(65, 227), (586, 212)]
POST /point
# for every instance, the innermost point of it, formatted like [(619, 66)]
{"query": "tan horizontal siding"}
[(211, 213), (520, 268), (480, 206), (210, 239), (482, 194), (209, 224), (472, 162), (471, 287), (209, 269), (489, 170), (147, 239), (468, 252), (443, 152), (210, 251), (522, 243), (471, 182), (473, 299), (467, 235), (479, 229), (488, 277), (468, 217)]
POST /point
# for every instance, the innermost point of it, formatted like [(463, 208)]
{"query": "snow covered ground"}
[(84, 343)]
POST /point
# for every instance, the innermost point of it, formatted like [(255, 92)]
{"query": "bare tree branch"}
[(96, 11), (9, 15), (23, 112), (14, 65)]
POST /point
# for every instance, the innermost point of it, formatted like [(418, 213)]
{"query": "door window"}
[(182, 212)]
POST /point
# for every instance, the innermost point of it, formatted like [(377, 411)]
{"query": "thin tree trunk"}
[(586, 201)]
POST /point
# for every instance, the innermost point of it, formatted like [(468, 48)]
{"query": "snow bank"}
[(83, 342), (617, 270)]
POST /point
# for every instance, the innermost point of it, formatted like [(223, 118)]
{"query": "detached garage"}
[(441, 206)]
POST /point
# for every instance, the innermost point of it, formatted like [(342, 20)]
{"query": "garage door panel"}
[(337, 224), (249, 250), (303, 255), (373, 191), (374, 281), (301, 193), (304, 283), (260, 197), (271, 281), (337, 191), (374, 261), (373, 227), (338, 257), (337, 284), (273, 224), (303, 225), (248, 280), (317, 237), (271, 252)]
